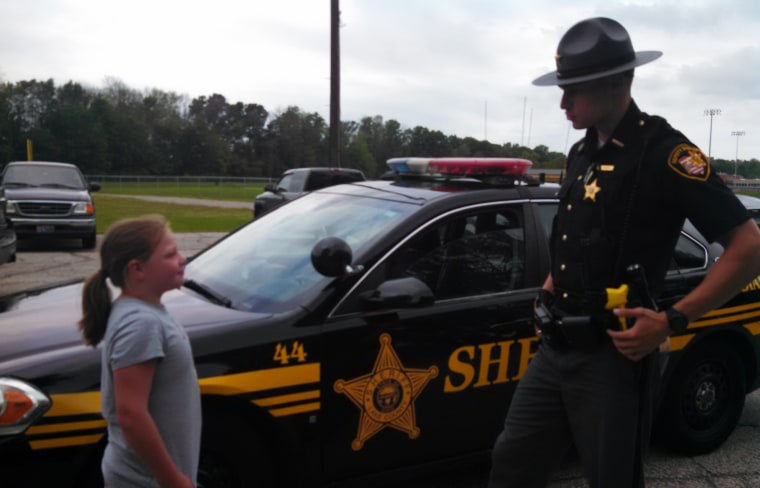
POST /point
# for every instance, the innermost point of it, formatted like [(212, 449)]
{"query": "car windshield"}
[(266, 266), (43, 175)]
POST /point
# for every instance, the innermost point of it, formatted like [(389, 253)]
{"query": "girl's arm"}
[(131, 390)]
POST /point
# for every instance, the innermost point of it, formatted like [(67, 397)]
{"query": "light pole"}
[(711, 112), (737, 133)]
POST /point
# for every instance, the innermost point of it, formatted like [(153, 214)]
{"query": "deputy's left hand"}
[(649, 329)]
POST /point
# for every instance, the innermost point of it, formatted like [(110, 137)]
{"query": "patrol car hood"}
[(46, 193), (45, 323)]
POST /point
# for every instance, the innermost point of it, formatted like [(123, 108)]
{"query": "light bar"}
[(460, 166), (409, 165)]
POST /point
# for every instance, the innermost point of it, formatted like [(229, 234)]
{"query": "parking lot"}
[(45, 262), (735, 464)]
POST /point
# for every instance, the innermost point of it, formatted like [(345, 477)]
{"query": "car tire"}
[(88, 242), (704, 399), (234, 455)]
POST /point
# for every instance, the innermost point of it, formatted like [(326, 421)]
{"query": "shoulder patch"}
[(689, 162)]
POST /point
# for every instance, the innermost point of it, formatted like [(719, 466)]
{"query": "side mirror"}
[(270, 188), (331, 256), (400, 293), (94, 186)]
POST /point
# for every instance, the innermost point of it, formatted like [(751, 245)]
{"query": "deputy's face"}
[(589, 103)]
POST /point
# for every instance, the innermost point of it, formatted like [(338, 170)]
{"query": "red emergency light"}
[(463, 167)]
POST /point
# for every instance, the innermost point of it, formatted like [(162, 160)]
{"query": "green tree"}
[(78, 134), (424, 142), (297, 139)]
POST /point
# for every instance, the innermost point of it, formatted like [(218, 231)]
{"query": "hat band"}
[(594, 69)]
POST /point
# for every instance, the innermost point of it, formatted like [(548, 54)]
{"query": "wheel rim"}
[(705, 395)]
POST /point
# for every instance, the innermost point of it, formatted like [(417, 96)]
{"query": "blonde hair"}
[(124, 241)]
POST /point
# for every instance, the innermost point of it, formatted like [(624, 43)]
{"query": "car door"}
[(408, 384)]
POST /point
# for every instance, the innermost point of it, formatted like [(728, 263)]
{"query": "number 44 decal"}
[(284, 356)]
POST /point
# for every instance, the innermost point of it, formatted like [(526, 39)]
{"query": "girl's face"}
[(165, 269)]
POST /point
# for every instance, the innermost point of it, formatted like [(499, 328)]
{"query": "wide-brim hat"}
[(594, 48)]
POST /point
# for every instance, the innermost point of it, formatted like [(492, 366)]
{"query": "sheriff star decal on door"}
[(386, 396)]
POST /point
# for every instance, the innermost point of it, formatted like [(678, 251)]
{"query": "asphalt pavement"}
[(40, 263)]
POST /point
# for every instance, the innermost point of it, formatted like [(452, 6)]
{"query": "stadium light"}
[(737, 133), (711, 112)]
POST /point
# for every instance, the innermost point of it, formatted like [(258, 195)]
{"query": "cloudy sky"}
[(463, 67)]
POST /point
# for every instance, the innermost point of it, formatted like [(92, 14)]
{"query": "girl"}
[(149, 389)]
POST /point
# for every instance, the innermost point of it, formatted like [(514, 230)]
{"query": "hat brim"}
[(642, 57)]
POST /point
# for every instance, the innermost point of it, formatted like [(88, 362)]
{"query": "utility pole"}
[(334, 83)]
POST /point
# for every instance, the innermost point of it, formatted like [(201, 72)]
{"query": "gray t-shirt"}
[(137, 332)]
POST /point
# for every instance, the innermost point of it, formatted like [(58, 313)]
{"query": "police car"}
[(362, 330)]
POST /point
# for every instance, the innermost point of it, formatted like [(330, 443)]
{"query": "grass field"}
[(183, 218), (244, 192)]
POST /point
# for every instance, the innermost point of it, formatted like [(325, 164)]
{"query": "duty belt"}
[(570, 321), (586, 303)]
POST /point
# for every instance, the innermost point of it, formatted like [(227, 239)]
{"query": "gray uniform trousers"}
[(598, 400)]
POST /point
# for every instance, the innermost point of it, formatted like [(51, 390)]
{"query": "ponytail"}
[(125, 240), (96, 307)]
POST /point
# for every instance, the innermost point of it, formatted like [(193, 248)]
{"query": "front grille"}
[(44, 208)]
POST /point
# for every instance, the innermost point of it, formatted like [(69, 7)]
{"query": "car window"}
[(546, 214), (323, 179), (755, 214), (285, 182), (688, 255), (44, 176), (462, 256), (347, 177), (266, 266), (319, 179), (298, 181)]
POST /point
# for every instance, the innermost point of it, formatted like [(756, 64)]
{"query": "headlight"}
[(10, 207), (84, 208), (20, 405)]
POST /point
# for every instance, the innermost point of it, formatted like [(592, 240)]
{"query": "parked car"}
[(7, 234), (47, 199), (753, 205), (296, 182), (383, 334)]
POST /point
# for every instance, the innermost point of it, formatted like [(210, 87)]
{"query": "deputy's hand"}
[(649, 329)]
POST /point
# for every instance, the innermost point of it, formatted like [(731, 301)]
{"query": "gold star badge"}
[(386, 396), (591, 190)]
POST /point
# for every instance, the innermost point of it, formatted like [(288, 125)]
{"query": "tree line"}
[(120, 130)]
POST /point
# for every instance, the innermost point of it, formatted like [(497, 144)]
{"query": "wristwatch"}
[(677, 321)]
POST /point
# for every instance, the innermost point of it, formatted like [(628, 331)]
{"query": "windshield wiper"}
[(59, 185), (208, 293), (18, 183)]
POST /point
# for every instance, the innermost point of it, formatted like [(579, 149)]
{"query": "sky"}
[(463, 67)]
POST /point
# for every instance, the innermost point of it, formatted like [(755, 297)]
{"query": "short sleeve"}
[(703, 197), (138, 339)]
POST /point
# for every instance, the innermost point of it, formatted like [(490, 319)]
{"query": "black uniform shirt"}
[(626, 202)]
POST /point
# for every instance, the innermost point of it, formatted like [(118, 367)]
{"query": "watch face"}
[(677, 322)]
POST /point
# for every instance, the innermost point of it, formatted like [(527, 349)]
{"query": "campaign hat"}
[(592, 49)]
